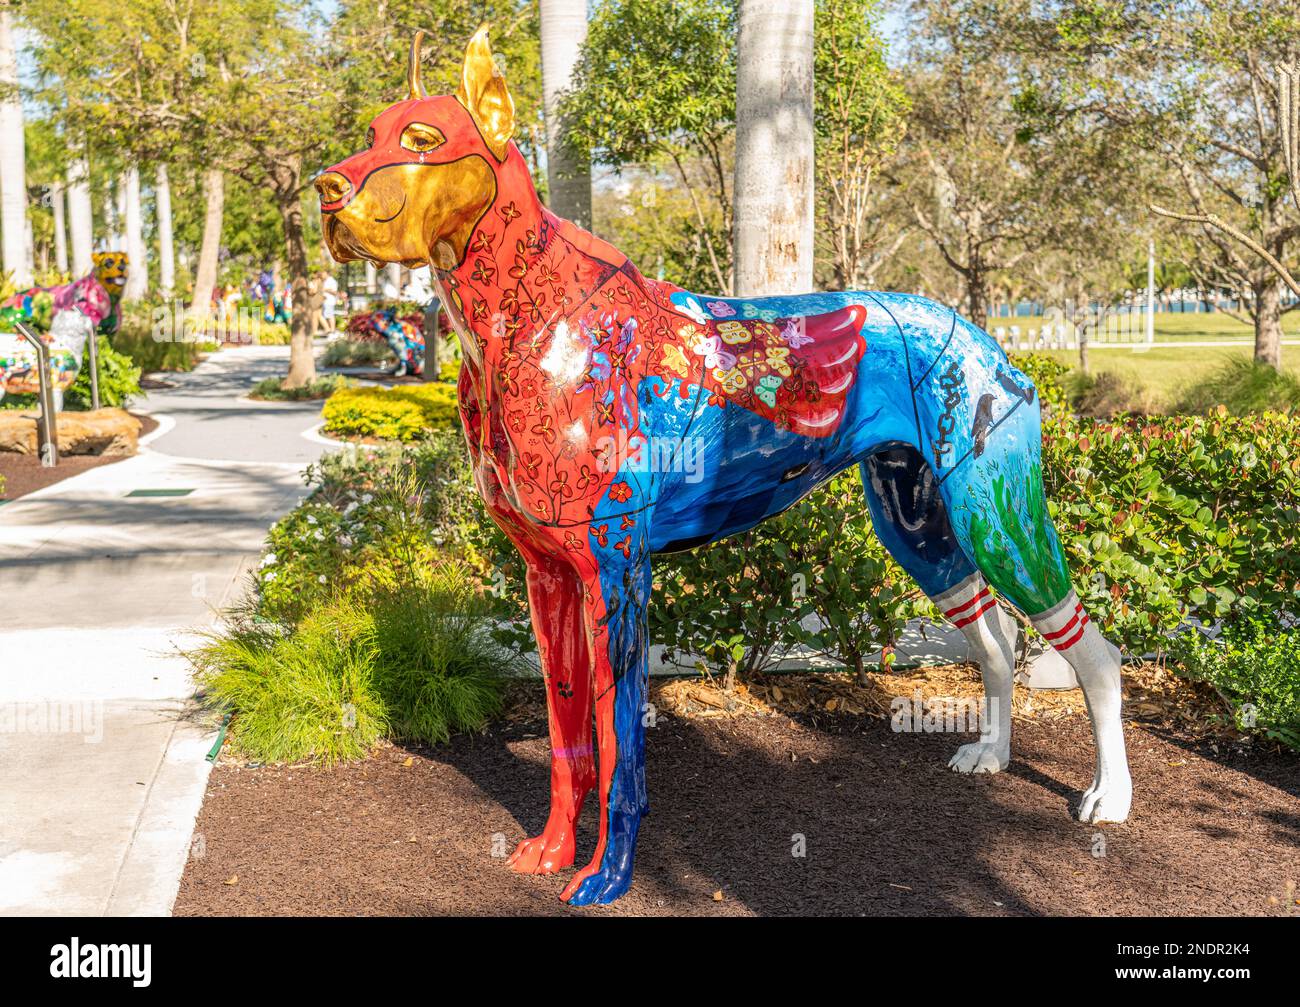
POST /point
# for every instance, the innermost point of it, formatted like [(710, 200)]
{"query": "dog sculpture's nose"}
[(332, 187)]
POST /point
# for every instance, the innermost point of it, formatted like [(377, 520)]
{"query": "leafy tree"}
[(656, 87), (861, 118), (1195, 84), (373, 41), (990, 186)]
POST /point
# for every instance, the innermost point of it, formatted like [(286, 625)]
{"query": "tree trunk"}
[(774, 148), (977, 294), (80, 227), (302, 362), (166, 252), (60, 228), (372, 277), (137, 276), (205, 275), (13, 168), (564, 29), (393, 279), (1268, 320)]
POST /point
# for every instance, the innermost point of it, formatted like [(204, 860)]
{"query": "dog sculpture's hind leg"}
[(981, 523), (909, 517)]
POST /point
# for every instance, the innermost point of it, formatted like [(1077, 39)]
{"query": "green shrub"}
[(439, 670), (861, 598), (309, 694), (355, 521), (306, 551), (405, 413), (1242, 387), (119, 379), (1049, 376), (743, 603), (731, 603), (273, 390), (1255, 667), (269, 334), (1163, 521), (1174, 518), (134, 337), (1108, 394), (412, 661), (347, 352)]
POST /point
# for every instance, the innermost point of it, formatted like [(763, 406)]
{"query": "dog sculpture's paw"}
[(544, 854), (980, 757), (1106, 802), (593, 886)]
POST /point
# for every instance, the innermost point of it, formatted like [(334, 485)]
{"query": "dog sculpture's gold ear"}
[(483, 91)]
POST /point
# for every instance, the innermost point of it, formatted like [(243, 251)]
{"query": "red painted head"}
[(429, 170)]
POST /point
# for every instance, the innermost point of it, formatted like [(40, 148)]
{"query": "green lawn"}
[(1178, 326), (1166, 371), (1173, 325)]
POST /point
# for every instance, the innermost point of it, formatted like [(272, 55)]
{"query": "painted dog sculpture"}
[(67, 316), (582, 380)]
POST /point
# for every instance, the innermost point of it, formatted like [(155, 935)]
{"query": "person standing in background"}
[(329, 302)]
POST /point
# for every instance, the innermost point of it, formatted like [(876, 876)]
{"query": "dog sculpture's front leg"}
[(615, 607), (555, 600)]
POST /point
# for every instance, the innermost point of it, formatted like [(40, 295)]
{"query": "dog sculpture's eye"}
[(421, 139), (370, 137)]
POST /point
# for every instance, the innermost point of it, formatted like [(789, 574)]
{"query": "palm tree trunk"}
[(564, 29), (137, 277), (80, 226), (13, 169), (205, 275), (166, 251), (774, 148), (60, 228), (117, 226)]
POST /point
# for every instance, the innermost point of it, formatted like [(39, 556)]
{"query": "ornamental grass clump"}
[(397, 645)]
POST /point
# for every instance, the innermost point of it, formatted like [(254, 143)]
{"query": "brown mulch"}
[(888, 829), (25, 474)]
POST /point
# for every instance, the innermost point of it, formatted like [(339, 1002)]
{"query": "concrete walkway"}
[(102, 766)]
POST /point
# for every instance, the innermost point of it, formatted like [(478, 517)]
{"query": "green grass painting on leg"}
[(1015, 544)]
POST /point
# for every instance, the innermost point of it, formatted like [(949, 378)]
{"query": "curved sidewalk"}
[(105, 575)]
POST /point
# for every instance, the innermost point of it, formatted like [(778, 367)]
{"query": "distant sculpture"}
[(66, 316), (402, 333), (583, 379)]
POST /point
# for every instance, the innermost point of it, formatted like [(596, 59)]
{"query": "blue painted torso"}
[(927, 378)]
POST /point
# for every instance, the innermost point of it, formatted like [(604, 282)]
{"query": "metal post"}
[(93, 347), (432, 365), (47, 430)]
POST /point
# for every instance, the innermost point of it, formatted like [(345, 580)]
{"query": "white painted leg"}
[(1096, 662), (990, 634)]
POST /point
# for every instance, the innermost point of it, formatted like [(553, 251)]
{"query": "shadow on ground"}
[(888, 829)]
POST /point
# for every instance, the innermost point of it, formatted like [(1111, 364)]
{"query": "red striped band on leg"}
[(956, 611), (1069, 634), (968, 619)]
